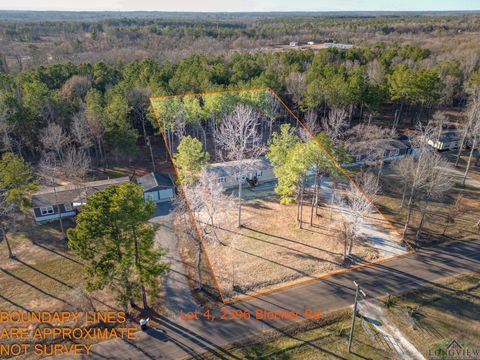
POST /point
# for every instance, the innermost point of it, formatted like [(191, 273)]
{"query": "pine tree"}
[(116, 242), (190, 158), (16, 180)]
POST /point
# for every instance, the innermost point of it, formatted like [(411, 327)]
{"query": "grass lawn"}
[(45, 275), (270, 248), (448, 310)]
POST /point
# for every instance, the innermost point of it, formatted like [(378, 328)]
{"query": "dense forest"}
[(29, 39), (112, 99)]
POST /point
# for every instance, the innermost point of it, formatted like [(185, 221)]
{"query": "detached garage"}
[(157, 187)]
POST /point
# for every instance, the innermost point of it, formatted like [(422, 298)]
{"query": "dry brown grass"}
[(449, 311), (45, 275), (270, 248)]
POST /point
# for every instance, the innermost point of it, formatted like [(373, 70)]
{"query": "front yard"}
[(270, 250)]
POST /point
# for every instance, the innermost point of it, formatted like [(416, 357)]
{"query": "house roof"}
[(448, 136), (229, 168), (384, 144), (155, 181), (406, 140), (70, 193)]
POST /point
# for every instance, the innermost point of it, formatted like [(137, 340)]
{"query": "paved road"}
[(190, 337), (176, 288)]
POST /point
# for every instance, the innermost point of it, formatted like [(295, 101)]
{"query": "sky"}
[(245, 5)]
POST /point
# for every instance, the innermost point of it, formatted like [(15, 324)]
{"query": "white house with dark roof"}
[(157, 187), (63, 201), (250, 170), (448, 139), (384, 149)]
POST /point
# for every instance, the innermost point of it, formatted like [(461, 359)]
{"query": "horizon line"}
[(242, 12)]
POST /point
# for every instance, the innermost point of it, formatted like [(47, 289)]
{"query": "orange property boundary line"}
[(192, 216)]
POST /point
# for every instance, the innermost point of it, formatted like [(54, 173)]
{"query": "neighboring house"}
[(448, 139), (383, 149), (293, 43), (227, 173), (64, 201), (157, 187), (338, 46)]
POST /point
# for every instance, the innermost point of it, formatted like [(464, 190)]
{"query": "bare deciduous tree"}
[(473, 115), (210, 206), (375, 72), (75, 164), (424, 177), (271, 111), (296, 85), (471, 124), (48, 171), (358, 205), (437, 183), (404, 168), (54, 138), (239, 140), (312, 125), (76, 87), (335, 124), (139, 103), (81, 132), (97, 131), (371, 141)]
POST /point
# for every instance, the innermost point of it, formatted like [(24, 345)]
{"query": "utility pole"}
[(357, 291)]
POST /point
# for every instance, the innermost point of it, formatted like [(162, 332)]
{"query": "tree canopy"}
[(116, 243), (190, 158)]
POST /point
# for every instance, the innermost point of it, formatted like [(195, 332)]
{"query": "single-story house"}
[(251, 171), (64, 201), (384, 149), (157, 187), (448, 139)]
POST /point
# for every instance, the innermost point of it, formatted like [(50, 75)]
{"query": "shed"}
[(157, 187)]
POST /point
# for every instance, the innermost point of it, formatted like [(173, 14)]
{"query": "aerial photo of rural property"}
[(240, 180)]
